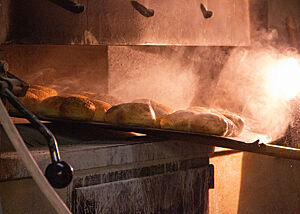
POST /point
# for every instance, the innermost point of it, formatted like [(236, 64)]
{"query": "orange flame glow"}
[(284, 79)]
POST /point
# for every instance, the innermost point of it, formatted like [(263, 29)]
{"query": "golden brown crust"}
[(160, 110), (50, 91), (77, 108), (30, 101), (33, 97), (178, 120), (39, 93), (235, 122), (238, 123), (206, 122), (50, 107), (101, 109), (131, 114)]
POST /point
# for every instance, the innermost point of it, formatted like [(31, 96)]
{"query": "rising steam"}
[(152, 73), (180, 77), (236, 80), (247, 86)]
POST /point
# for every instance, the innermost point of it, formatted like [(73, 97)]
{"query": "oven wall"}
[(67, 68), (119, 23), (253, 183), (174, 76)]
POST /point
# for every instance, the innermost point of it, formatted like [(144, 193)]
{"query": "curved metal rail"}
[(211, 140)]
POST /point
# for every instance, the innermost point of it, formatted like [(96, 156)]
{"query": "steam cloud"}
[(151, 72), (242, 86), (217, 77), (206, 76)]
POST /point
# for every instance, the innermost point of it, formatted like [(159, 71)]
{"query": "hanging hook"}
[(69, 5), (206, 13), (142, 9)]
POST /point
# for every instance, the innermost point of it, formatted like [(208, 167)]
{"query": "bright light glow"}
[(284, 79)]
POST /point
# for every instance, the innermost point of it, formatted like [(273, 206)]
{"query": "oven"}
[(217, 55)]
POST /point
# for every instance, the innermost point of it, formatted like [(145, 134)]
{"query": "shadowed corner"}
[(1, 208)]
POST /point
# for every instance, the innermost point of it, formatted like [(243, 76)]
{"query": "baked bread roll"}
[(238, 122), (49, 91), (160, 110), (205, 122), (30, 101), (33, 97), (77, 108), (101, 109), (39, 93), (131, 114), (235, 122), (50, 107)]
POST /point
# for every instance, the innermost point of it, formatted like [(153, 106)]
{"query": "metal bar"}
[(30, 163), (52, 144), (142, 9), (210, 140), (255, 147)]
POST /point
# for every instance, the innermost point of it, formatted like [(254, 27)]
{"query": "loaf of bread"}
[(49, 91), (235, 122), (33, 97), (160, 110), (101, 109), (131, 114), (50, 107), (31, 101), (206, 122), (238, 122), (77, 108)]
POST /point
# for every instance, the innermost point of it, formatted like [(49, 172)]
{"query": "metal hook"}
[(142, 9), (206, 13), (69, 5)]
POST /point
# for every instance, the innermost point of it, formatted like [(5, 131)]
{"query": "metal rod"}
[(142, 9), (52, 144), (210, 140), (30, 163), (255, 147)]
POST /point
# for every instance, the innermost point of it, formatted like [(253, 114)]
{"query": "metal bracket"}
[(69, 5)]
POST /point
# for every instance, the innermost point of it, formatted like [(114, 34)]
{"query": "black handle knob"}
[(59, 174)]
